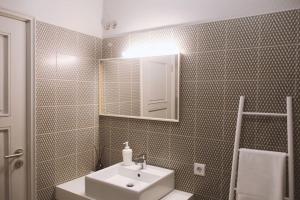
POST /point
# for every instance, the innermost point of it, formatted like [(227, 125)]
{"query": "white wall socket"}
[(199, 169)]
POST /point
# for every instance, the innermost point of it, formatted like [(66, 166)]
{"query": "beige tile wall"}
[(66, 106), (255, 56)]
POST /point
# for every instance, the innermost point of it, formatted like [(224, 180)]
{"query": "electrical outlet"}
[(199, 169)]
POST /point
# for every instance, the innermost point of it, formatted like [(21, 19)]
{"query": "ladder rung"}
[(266, 114)]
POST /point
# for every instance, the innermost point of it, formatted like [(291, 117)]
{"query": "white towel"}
[(261, 175)]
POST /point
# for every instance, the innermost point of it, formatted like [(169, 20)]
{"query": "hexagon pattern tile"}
[(244, 32), (66, 96)]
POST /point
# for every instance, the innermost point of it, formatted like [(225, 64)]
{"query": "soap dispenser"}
[(127, 155)]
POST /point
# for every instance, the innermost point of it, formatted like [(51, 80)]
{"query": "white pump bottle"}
[(127, 155)]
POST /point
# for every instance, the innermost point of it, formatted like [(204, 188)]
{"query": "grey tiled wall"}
[(66, 106), (255, 56)]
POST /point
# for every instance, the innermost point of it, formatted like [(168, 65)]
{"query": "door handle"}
[(18, 153)]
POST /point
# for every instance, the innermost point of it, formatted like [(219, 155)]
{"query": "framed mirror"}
[(145, 88)]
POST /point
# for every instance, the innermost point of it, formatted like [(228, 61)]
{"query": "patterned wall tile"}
[(227, 156), (85, 139), (182, 149), (106, 48), (88, 69), (212, 36), (86, 46), (206, 95), (272, 132), (115, 46), (187, 94), (67, 67), (46, 92), (160, 162), (65, 143), (118, 122), (66, 92), (98, 48), (184, 177), (85, 162), (45, 119), (249, 129), (244, 32), (115, 157), (235, 89), (61, 66), (67, 41), (44, 147), (106, 157), (211, 65), (138, 124), (225, 185), (280, 28), (210, 184), (45, 62), (189, 66), (46, 194), (186, 124), (159, 145), (86, 92), (118, 137), (278, 62), (138, 142), (104, 134), (64, 169), (209, 152), (159, 127), (85, 116), (46, 37), (66, 118), (272, 95), (242, 64), (209, 124), (45, 174)]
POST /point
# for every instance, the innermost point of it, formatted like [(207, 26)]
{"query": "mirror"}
[(145, 87)]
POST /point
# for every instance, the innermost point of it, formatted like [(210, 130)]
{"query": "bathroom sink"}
[(120, 182)]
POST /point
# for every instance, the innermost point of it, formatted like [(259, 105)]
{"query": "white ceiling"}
[(134, 15), (79, 15)]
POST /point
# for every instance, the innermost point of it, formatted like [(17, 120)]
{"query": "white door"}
[(12, 109), (158, 87)]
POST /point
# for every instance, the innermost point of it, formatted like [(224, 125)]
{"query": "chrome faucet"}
[(141, 160)]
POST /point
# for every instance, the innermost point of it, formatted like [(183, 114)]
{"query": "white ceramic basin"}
[(120, 182)]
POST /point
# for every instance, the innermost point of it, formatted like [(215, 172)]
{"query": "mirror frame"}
[(137, 117)]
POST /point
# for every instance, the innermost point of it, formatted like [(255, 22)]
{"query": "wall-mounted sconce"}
[(110, 25)]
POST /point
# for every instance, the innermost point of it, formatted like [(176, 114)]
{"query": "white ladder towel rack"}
[(290, 154)]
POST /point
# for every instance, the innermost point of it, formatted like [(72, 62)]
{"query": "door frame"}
[(30, 95)]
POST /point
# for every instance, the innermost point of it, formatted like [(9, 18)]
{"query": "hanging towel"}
[(261, 175)]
